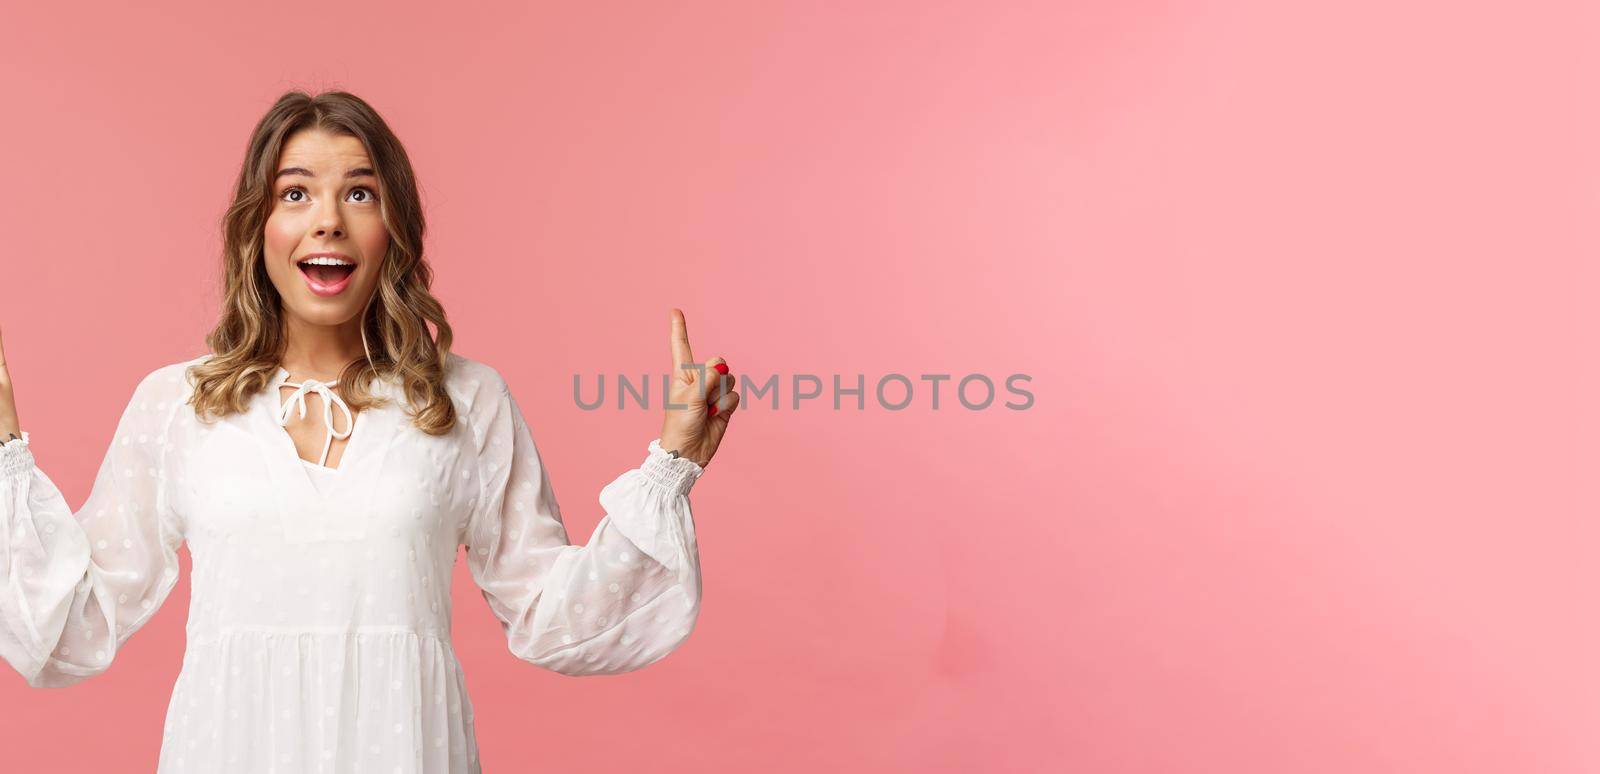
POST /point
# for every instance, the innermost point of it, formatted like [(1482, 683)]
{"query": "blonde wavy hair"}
[(248, 341)]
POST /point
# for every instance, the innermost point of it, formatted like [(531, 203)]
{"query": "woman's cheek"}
[(279, 239), (376, 245)]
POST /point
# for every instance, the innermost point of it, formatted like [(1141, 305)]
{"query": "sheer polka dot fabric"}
[(319, 621)]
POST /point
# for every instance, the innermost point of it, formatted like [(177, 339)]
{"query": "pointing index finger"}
[(681, 354)]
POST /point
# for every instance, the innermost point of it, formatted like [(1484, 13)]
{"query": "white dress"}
[(318, 637)]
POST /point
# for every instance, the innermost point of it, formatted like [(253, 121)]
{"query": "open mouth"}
[(325, 275)]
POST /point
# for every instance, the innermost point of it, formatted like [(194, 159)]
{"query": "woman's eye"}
[(367, 196)]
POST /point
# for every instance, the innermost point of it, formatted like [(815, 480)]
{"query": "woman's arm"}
[(73, 587), (632, 594), (624, 600), (10, 426)]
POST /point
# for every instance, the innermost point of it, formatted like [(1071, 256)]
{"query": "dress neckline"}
[(321, 504), (330, 400), (303, 473)]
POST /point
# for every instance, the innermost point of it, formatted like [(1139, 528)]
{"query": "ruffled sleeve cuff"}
[(15, 457), (674, 475)]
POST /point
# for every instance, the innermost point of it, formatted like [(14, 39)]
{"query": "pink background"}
[(1308, 299)]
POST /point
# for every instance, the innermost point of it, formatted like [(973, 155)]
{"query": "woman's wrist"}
[(674, 471), (677, 455), (10, 423)]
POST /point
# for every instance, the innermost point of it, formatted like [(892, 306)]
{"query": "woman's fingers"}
[(5, 376), (9, 423), (726, 404), (682, 355), (717, 384), (719, 421)]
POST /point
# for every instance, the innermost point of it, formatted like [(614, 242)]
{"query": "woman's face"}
[(325, 202)]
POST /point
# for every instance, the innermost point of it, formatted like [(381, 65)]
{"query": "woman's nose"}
[(329, 222), (329, 225)]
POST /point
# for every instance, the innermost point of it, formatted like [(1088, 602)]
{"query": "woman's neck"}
[(320, 352)]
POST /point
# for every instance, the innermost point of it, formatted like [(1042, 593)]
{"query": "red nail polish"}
[(713, 411), (722, 368)]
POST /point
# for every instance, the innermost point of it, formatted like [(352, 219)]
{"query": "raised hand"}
[(706, 390), (9, 424)]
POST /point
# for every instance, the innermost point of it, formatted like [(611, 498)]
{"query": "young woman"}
[(323, 462)]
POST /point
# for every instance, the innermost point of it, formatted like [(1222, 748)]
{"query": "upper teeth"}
[(323, 260)]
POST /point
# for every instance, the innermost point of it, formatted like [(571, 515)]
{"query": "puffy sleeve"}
[(621, 602), (74, 587)]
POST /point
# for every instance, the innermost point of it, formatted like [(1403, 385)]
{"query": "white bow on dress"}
[(329, 400)]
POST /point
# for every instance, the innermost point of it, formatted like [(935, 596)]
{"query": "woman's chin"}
[(326, 312)]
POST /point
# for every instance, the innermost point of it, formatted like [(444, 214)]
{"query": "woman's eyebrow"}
[(357, 172)]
